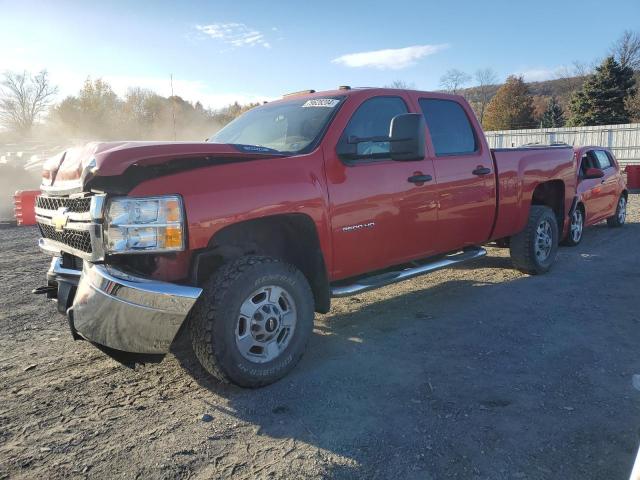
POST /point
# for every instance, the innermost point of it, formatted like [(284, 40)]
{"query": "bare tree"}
[(454, 80), (581, 69), (486, 80), (626, 50), (23, 98), (399, 84), (573, 76)]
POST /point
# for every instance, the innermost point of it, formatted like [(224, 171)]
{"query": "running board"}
[(387, 278)]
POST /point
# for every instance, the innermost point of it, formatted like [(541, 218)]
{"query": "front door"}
[(382, 211)]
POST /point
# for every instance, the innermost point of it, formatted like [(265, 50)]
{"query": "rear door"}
[(598, 194), (609, 183), (465, 178)]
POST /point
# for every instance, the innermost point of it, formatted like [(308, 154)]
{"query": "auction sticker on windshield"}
[(321, 102)]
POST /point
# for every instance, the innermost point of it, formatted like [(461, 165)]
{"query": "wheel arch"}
[(291, 237), (552, 194)]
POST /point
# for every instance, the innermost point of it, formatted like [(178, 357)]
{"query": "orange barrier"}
[(24, 202), (633, 176)]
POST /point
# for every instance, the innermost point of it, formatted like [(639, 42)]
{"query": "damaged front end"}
[(103, 240), (105, 305), (109, 305)]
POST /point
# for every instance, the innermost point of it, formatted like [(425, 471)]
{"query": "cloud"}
[(389, 58), (235, 34), (540, 74)]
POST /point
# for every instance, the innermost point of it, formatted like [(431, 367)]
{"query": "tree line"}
[(603, 95), (97, 112)]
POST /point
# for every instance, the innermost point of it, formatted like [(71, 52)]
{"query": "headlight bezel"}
[(157, 225)]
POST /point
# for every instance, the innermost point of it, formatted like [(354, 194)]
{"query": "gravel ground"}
[(474, 372)]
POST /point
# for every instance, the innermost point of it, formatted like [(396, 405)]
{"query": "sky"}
[(224, 51)]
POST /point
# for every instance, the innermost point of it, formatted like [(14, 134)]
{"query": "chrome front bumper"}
[(128, 313)]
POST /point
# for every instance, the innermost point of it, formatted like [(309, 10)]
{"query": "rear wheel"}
[(534, 250), (620, 217), (576, 228), (253, 321)]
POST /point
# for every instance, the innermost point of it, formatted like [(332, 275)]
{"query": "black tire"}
[(574, 238), (523, 244), (620, 217), (215, 319)]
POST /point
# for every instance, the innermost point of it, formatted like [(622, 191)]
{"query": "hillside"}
[(561, 88)]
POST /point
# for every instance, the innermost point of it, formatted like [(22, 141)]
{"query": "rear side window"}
[(450, 129), (372, 119), (603, 159)]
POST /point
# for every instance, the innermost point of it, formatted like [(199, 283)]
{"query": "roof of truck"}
[(355, 91)]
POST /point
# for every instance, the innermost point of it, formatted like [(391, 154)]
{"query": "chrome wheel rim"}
[(266, 322), (544, 241), (577, 225), (622, 210)]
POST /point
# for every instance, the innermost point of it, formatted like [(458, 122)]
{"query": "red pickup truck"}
[(241, 238)]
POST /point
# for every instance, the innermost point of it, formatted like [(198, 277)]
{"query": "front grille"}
[(80, 240), (76, 205)]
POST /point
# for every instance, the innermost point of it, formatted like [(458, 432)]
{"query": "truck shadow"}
[(341, 396), (422, 382)]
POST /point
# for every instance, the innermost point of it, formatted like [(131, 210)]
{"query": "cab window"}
[(372, 119), (450, 129)]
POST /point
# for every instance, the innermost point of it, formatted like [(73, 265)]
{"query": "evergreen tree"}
[(553, 116), (601, 101), (511, 107)]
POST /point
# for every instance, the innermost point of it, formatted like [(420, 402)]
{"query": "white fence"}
[(623, 140)]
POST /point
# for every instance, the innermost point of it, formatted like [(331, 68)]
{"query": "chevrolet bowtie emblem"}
[(60, 219)]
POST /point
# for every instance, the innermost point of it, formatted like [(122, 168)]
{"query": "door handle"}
[(480, 170), (419, 178)]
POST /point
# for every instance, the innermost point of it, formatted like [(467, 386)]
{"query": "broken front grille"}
[(78, 239), (76, 205)]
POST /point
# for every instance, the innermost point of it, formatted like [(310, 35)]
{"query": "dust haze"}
[(97, 113), (21, 157)]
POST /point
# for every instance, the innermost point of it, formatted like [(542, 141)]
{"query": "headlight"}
[(152, 224)]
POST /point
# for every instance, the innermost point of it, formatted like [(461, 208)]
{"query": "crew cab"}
[(601, 192), (239, 239)]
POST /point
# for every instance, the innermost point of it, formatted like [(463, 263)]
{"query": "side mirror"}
[(407, 137), (593, 173)]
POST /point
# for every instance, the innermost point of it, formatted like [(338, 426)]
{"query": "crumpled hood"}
[(68, 169)]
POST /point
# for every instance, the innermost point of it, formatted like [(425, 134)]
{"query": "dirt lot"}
[(475, 372)]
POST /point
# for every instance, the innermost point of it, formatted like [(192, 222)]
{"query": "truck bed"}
[(519, 171)]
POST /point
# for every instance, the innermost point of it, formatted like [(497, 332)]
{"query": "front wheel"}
[(253, 320), (575, 229), (620, 217), (534, 250)]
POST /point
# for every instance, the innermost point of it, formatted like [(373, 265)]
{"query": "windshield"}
[(288, 127)]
